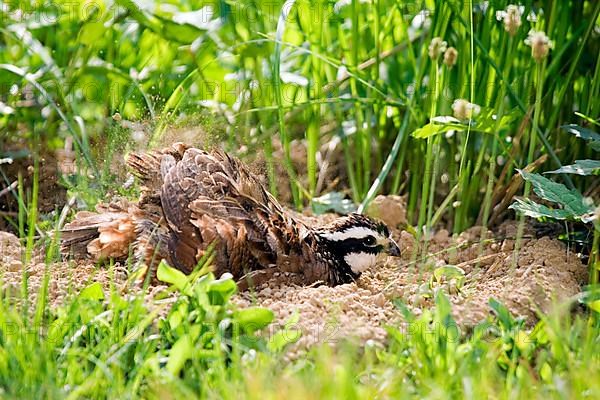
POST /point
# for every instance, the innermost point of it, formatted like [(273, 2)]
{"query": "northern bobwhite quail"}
[(191, 198)]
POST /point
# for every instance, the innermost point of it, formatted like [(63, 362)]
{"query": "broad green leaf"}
[(219, 291), (92, 292), (581, 167), (485, 122), (162, 26), (293, 319), (535, 210), (253, 319), (546, 373), (333, 201), (571, 200), (449, 272), (174, 31), (585, 134), (181, 351), (200, 19), (438, 125), (283, 338), (168, 274), (287, 335)]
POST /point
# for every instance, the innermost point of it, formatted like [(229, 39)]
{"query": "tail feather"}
[(107, 233)]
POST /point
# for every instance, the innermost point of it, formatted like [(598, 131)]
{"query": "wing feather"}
[(193, 198)]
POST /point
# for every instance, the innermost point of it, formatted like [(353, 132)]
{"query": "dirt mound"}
[(545, 271)]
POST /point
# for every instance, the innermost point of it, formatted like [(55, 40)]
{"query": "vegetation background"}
[(83, 82)]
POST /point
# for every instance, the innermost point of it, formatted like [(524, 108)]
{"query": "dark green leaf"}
[(585, 134), (571, 200), (443, 309), (535, 210), (581, 167), (406, 312), (486, 121)]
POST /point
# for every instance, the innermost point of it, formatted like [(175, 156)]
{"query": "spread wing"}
[(191, 199), (210, 197)]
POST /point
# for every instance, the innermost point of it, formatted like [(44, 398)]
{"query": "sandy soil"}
[(545, 272)]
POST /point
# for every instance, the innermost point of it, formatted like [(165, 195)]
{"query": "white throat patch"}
[(360, 262), (357, 232)]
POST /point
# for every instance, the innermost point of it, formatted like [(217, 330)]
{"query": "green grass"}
[(107, 345), (145, 65), (318, 71)]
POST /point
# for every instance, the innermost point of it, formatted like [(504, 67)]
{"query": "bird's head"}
[(353, 244)]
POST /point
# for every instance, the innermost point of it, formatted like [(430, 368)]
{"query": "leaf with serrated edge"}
[(535, 210), (571, 200), (581, 167)]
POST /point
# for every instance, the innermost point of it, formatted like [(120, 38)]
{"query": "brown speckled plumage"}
[(192, 198)]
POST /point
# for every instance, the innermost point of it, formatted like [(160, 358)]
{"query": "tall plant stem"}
[(427, 176), (539, 80), (463, 189), (491, 169)]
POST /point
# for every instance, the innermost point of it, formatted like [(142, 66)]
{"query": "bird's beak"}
[(393, 249)]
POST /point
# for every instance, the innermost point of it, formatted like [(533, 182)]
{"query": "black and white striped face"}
[(355, 242)]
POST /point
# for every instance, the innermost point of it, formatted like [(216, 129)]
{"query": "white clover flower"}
[(511, 18), (437, 47), (463, 110), (540, 44)]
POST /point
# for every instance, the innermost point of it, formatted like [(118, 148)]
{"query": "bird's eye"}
[(370, 240)]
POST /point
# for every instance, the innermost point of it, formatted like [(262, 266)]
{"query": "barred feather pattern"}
[(193, 198)]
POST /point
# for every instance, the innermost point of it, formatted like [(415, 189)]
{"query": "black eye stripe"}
[(353, 245)]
